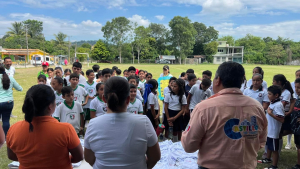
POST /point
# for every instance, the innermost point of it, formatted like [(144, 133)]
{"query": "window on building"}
[(220, 50), (47, 59), (218, 59), (220, 43), (229, 59), (223, 59)]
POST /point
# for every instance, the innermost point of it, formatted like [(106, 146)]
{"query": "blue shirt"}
[(7, 95), (187, 89)]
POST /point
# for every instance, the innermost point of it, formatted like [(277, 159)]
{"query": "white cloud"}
[(85, 30), (90, 23), (287, 29), (160, 17), (82, 9), (141, 21), (48, 3), (166, 4)]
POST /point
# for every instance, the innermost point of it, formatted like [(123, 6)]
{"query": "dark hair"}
[(131, 68), (190, 71), (60, 81), (284, 83), (131, 77), (206, 82), (42, 77), (7, 58), (74, 75), (116, 90), (88, 72), (297, 71), (58, 68), (125, 71), (118, 71), (141, 71), (98, 87), (37, 98), (137, 80), (99, 74), (114, 68), (132, 86), (66, 90), (172, 78), (182, 74), (275, 90), (5, 78), (231, 74), (191, 76), (207, 72), (297, 80), (82, 73), (154, 83), (149, 74), (67, 70), (50, 69), (106, 71), (259, 75), (260, 71), (96, 68), (180, 84), (77, 64)]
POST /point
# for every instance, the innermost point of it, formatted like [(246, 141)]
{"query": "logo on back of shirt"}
[(234, 130)]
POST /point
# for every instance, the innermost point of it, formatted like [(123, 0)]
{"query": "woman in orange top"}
[(40, 141)]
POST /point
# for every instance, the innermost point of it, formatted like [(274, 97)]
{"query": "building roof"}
[(167, 57), (21, 51)]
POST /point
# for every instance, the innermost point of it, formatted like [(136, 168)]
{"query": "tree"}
[(182, 35), (81, 57), (150, 52), (268, 39), (229, 39), (276, 54), (17, 29), (35, 28), (166, 52), (116, 32), (60, 41), (141, 39), (210, 49), (86, 45), (100, 51), (160, 33)]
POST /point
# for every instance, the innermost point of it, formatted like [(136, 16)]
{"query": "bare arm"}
[(76, 154), (11, 155), (93, 114), (266, 105), (89, 156), (82, 120), (153, 155), (86, 100), (278, 118), (293, 101), (166, 110)]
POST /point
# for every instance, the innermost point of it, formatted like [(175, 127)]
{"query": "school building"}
[(19, 55), (228, 53)]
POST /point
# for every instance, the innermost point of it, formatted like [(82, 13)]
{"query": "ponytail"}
[(113, 100), (284, 83), (5, 78), (29, 110), (65, 82)]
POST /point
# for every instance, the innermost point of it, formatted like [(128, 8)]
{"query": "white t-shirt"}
[(135, 107), (152, 100), (142, 85), (198, 95), (139, 95), (211, 88), (166, 91), (260, 96), (286, 96), (70, 114), (91, 90), (120, 140), (98, 106), (274, 126), (48, 82), (81, 82), (294, 89), (173, 101), (162, 75), (11, 71), (187, 82), (58, 101), (80, 94), (264, 84)]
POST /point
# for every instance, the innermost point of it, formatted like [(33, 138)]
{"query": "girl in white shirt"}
[(174, 108), (151, 100), (288, 102), (57, 85), (258, 70), (98, 107), (50, 73), (257, 92)]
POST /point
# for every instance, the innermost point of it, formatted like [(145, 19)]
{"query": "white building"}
[(228, 53)]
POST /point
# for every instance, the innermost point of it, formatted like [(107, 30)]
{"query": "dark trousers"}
[(6, 109)]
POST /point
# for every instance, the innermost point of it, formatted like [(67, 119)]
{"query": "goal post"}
[(191, 61)]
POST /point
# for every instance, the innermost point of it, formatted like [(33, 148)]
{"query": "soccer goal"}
[(191, 61)]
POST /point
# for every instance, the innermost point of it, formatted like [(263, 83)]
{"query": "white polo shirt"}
[(142, 85), (198, 95), (173, 101), (79, 94), (91, 90), (11, 71), (259, 95), (274, 126), (135, 107), (286, 97), (98, 106), (81, 82), (264, 84), (152, 100)]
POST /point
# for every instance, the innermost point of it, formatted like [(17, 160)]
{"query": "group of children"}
[(78, 100)]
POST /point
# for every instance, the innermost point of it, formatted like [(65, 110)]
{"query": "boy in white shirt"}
[(77, 70), (135, 106), (275, 118), (142, 81), (80, 93), (90, 88), (70, 111), (197, 94), (133, 80)]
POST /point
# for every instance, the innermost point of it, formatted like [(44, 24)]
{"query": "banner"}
[(163, 82)]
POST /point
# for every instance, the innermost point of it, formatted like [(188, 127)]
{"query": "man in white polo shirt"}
[(10, 71)]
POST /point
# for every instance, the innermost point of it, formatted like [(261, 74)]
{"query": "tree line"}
[(125, 39)]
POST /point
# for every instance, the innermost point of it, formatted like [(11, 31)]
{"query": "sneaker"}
[(288, 147), (13, 116), (296, 167), (271, 167), (264, 161)]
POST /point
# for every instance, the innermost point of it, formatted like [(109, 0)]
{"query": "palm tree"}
[(17, 29), (60, 39)]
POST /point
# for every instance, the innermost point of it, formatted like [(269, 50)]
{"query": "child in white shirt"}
[(98, 106), (135, 106)]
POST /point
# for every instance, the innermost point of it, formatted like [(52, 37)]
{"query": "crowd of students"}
[(79, 100)]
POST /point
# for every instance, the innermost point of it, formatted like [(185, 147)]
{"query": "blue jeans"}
[(6, 109)]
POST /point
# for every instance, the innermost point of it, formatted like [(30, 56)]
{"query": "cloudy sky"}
[(83, 19)]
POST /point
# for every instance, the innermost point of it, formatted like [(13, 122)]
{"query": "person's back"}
[(7, 95), (46, 146), (120, 140)]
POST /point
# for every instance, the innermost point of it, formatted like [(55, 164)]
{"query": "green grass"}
[(27, 77)]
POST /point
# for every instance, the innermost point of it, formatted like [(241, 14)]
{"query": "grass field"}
[(27, 77)]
